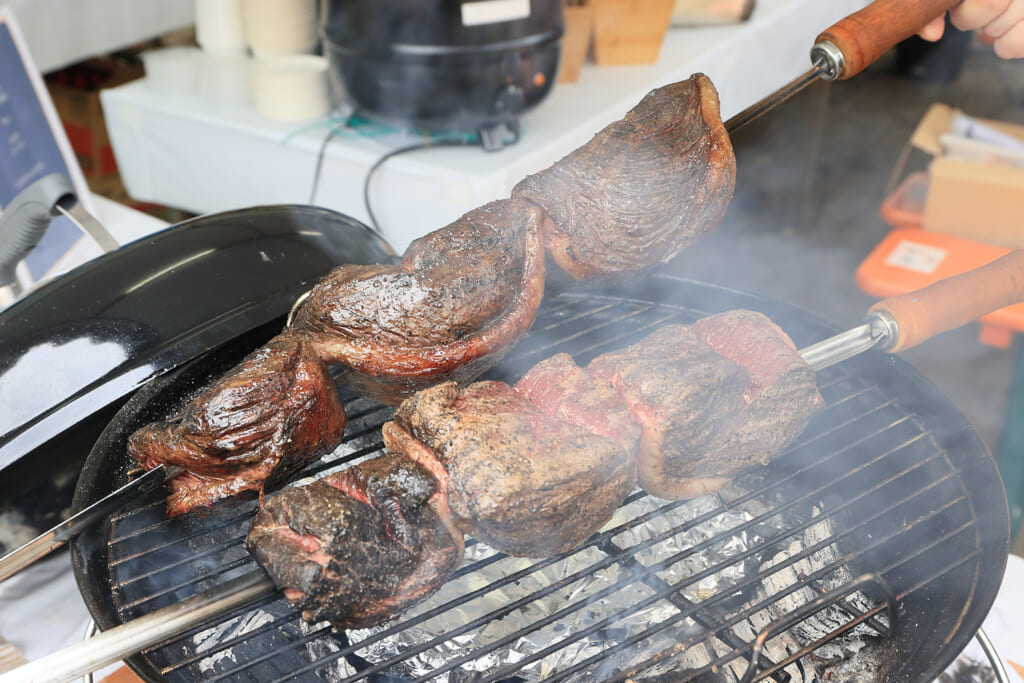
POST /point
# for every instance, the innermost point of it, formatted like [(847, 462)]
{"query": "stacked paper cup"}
[(219, 27), (280, 27), (289, 83), (224, 66)]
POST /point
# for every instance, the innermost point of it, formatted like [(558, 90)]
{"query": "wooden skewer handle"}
[(865, 36), (955, 301)]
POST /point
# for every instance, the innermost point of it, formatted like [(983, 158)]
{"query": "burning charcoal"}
[(824, 622), (643, 189), (271, 415), (518, 480), (358, 547)]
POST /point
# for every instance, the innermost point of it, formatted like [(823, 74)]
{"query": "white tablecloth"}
[(188, 153)]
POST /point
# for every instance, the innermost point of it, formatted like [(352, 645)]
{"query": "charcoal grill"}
[(915, 543)]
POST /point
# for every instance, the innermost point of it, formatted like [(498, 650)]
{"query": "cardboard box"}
[(971, 194), (629, 31)]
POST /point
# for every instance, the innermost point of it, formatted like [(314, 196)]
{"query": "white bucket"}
[(280, 27), (172, 70), (219, 28), (225, 81), (291, 88)]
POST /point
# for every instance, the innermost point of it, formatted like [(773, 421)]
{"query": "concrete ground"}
[(811, 178)]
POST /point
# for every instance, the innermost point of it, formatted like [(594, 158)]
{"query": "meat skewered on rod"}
[(461, 297), (429, 428), (990, 287)]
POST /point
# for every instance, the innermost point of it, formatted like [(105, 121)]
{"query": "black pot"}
[(440, 65)]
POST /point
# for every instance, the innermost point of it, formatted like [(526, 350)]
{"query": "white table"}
[(185, 152)]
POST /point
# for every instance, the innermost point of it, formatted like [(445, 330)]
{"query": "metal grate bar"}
[(600, 594), (796, 616), (717, 625), (606, 340), (654, 540), (324, 465), (372, 408), (144, 576), (810, 648), (671, 621), (205, 531), (208, 576)]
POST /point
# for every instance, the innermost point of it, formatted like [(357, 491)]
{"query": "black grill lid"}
[(82, 343)]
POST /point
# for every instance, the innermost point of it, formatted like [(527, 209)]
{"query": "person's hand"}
[(1001, 20)]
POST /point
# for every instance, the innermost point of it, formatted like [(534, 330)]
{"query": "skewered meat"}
[(683, 394), (516, 479), (463, 295), (642, 189), (715, 399), (459, 300), (565, 391), (274, 413), (782, 394), (360, 546), (534, 470)]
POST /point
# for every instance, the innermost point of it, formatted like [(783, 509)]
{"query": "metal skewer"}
[(880, 331), (49, 541), (135, 636)]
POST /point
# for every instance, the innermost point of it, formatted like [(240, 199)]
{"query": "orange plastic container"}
[(910, 258), (904, 208)]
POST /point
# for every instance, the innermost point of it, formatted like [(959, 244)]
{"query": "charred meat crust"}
[(359, 547), (562, 390), (271, 415), (715, 399), (783, 392), (523, 483), (460, 299), (642, 189), (682, 393)]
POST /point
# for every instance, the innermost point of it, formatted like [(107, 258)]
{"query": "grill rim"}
[(977, 474)]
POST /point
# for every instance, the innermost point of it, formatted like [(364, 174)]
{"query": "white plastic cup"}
[(219, 29), (225, 81), (291, 87), (280, 27), (172, 70)]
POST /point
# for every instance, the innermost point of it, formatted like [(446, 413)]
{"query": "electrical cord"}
[(423, 144), (353, 124), (331, 132)]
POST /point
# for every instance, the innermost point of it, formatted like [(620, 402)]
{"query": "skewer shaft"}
[(878, 332), (135, 636)]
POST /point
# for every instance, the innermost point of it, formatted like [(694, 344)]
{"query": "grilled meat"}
[(535, 469), (779, 400), (459, 300), (520, 481), (358, 547), (274, 413), (564, 391), (715, 399), (683, 394), (642, 189)]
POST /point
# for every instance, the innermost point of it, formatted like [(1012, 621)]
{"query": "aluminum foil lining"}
[(588, 616)]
